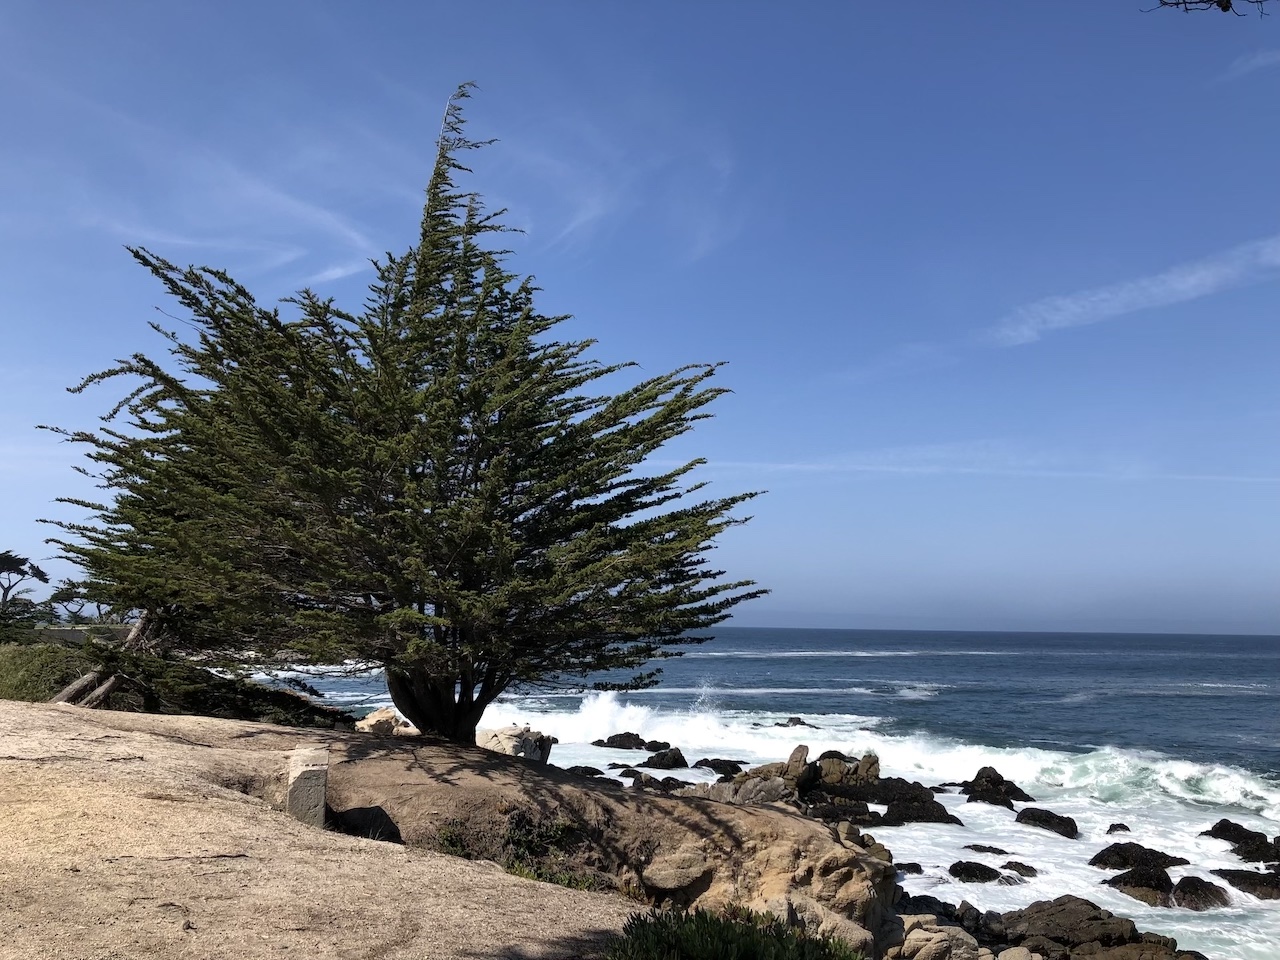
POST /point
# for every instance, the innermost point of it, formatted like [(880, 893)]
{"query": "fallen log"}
[(104, 690), (73, 691)]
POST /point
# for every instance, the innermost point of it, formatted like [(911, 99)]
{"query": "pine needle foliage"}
[(434, 483)]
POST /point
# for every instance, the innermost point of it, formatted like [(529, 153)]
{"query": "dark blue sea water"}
[(1165, 733), (1211, 699)]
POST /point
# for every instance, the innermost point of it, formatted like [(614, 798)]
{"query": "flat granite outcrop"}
[(138, 836), (130, 835)]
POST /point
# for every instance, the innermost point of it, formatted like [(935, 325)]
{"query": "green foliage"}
[(36, 672), (434, 484), (18, 613), (736, 934)]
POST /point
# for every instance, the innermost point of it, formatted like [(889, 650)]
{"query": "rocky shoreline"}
[(839, 790)]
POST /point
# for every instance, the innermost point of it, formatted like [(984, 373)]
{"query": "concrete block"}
[(308, 780)]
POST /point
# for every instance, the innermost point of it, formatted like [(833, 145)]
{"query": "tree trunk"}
[(137, 638), (429, 703), (78, 688), (99, 696)]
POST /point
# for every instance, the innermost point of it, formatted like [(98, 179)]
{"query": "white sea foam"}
[(1165, 801)]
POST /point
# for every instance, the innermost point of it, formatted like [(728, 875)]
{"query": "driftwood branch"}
[(104, 690)]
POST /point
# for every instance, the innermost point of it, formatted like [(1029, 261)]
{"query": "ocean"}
[(1165, 733)]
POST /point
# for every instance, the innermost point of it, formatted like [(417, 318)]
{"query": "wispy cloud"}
[(1248, 263), (1250, 62), (201, 198)]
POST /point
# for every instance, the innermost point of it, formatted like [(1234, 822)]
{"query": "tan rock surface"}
[(125, 836)]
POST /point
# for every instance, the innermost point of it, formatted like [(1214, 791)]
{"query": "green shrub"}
[(152, 685), (736, 934), (38, 671)]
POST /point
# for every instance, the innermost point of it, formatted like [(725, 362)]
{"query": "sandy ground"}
[(125, 836)]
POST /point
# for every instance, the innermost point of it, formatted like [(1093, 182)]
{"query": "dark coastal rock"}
[(665, 785), (984, 848), (1196, 893), (1130, 856), (1118, 828), (911, 868), (726, 768), (966, 871), (625, 771), (618, 766), (885, 791), (1046, 948), (832, 755), (1150, 884), (1264, 886), (794, 722), (854, 811), (1251, 846), (988, 786), (984, 927), (1070, 928), (671, 759), (1048, 820), (1070, 922), (621, 741), (901, 812), (585, 771), (923, 903), (1021, 869), (653, 746)]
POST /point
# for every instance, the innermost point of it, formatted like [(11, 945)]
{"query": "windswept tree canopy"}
[(433, 483)]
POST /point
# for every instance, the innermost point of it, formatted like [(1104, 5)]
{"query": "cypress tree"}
[(433, 484)]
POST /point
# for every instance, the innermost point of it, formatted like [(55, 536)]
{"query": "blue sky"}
[(996, 283)]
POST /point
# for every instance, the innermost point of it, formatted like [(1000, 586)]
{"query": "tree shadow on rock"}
[(589, 945)]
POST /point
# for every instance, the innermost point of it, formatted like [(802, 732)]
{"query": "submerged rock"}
[(585, 771), (722, 767), (1148, 883), (1129, 856), (1249, 845), (1264, 886), (1021, 869), (1048, 820), (988, 786), (621, 741), (795, 722), (671, 759), (984, 848), (967, 871), (1196, 893), (901, 812), (1118, 828)]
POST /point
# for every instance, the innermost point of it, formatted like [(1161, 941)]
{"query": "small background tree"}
[(18, 612), (433, 484)]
